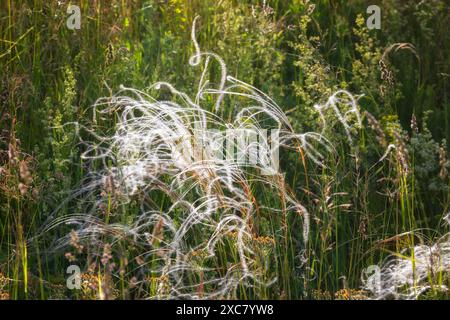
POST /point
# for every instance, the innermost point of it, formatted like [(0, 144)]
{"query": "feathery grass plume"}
[(350, 118), (414, 271), (175, 148)]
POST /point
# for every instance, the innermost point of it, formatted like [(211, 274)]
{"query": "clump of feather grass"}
[(167, 146), (414, 271)]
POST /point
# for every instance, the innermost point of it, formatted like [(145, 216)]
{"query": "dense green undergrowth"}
[(299, 52)]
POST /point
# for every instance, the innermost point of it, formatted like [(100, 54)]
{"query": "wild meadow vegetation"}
[(99, 165)]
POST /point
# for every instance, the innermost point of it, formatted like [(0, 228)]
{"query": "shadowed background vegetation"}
[(298, 52)]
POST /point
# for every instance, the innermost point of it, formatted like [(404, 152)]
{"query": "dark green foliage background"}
[(297, 51)]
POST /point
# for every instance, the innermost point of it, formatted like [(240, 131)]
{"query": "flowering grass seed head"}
[(175, 147)]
